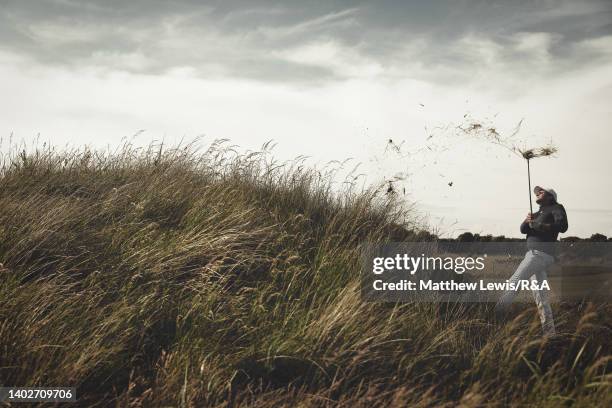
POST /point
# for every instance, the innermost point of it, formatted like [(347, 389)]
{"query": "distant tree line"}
[(469, 237), (399, 233)]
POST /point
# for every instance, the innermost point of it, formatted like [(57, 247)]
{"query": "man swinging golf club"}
[(542, 229)]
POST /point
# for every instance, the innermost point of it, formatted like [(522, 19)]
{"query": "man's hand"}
[(529, 224), (533, 224)]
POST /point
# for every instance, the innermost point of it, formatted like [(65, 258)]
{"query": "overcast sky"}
[(333, 80)]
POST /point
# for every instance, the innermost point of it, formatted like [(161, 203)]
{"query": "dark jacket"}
[(547, 223)]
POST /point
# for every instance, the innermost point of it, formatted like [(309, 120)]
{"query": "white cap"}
[(550, 191)]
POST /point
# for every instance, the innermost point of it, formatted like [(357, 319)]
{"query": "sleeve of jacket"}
[(525, 228), (560, 219)]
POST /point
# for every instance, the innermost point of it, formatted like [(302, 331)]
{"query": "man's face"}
[(542, 197)]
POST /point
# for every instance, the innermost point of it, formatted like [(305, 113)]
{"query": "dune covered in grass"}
[(179, 277)]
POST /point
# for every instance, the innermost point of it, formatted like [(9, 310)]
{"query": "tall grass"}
[(179, 277)]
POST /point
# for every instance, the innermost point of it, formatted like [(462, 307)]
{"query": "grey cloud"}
[(438, 41)]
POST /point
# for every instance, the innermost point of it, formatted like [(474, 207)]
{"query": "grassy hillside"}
[(156, 278)]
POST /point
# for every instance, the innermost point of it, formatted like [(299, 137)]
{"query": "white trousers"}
[(533, 267)]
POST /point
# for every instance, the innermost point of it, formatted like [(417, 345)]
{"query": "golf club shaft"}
[(529, 182)]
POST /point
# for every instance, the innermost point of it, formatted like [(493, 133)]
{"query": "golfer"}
[(542, 229)]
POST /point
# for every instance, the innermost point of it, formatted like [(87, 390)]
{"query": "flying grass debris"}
[(396, 178), (493, 136), (392, 145), (534, 153)]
